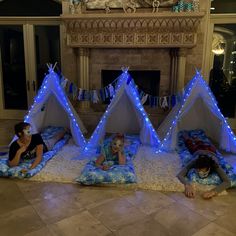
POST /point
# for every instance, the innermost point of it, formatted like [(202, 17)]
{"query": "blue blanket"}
[(16, 172), (186, 157), (117, 174)]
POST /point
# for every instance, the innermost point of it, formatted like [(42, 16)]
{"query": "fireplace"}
[(96, 42), (147, 81), (142, 40)]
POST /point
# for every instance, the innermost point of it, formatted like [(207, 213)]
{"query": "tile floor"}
[(53, 209)]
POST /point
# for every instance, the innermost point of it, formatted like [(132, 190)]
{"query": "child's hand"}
[(24, 171), (209, 194), (22, 149), (120, 151), (189, 191), (105, 167)]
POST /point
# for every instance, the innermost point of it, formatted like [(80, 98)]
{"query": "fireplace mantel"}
[(132, 30)]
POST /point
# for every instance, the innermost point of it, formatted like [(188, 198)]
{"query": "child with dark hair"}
[(29, 146), (204, 165), (112, 154)]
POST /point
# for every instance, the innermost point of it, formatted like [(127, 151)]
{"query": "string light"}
[(193, 83), (52, 79), (131, 91)]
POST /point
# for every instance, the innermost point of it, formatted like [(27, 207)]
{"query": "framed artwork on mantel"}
[(101, 4)]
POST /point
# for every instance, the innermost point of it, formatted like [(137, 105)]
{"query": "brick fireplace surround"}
[(95, 40)]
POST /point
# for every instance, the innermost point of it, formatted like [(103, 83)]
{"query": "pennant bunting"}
[(80, 94), (109, 91), (95, 97), (71, 88), (144, 99), (64, 83), (164, 103)]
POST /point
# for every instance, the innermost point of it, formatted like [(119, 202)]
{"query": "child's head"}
[(22, 128), (204, 164), (117, 143)]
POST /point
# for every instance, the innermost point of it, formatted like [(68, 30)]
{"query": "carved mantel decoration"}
[(132, 30)]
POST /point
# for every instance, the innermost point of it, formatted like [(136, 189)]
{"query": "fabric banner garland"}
[(101, 95)]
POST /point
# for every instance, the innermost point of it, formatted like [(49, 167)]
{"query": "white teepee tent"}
[(52, 108), (125, 114), (199, 110), (167, 122)]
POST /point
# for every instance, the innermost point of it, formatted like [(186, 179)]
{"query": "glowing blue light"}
[(202, 81)]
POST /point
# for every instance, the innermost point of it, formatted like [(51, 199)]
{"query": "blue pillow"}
[(6, 171), (117, 174), (186, 157)]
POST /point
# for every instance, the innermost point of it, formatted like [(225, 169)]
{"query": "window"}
[(223, 74), (223, 6)]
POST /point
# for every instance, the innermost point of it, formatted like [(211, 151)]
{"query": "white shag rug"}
[(158, 171), (155, 171), (62, 167)]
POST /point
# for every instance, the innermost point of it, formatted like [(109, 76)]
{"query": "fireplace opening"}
[(147, 81)]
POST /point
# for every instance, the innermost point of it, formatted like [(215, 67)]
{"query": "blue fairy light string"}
[(41, 95)]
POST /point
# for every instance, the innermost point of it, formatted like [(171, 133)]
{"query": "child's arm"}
[(184, 172), (122, 159), (39, 155), (189, 190), (100, 160), (16, 159), (224, 185)]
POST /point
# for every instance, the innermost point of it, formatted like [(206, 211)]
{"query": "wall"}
[(196, 56), (136, 59), (156, 59)]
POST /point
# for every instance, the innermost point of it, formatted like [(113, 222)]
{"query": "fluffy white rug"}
[(62, 167), (155, 171)]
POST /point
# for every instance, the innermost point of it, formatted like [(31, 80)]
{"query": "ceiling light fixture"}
[(218, 51)]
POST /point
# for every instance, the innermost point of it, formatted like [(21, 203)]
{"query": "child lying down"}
[(204, 163), (112, 154), (30, 146), (114, 165)]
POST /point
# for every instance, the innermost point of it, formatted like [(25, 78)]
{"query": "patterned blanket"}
[(16, 172), (117, 174), (186, 157)]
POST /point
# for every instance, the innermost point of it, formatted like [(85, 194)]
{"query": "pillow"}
[(50, 135), (117, 174)]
